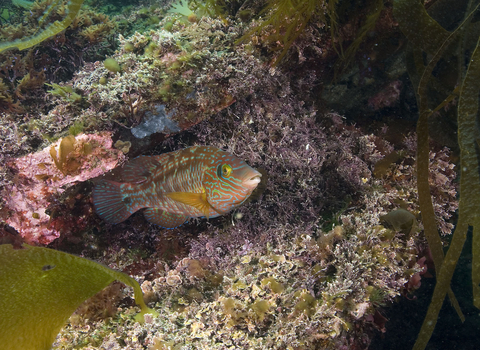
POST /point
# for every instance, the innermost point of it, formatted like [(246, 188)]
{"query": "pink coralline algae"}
[(39, 183)]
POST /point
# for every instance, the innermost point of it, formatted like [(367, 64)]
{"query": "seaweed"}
[(427, 36), (66, 92), (286, 20), (73, 6), (41, 288), (67, 146), (347, 57)]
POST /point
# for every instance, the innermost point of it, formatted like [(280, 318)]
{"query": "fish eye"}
[(225, 170)]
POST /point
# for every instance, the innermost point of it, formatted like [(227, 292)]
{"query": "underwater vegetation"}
[(53, 28), (335, 230), (277, 277), (282, 22), (426, 35), (59, 283), (43, 175), (48, 34)]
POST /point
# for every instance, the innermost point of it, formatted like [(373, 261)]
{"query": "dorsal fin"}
[(139, 169)]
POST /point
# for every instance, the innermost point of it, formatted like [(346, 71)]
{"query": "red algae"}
[(39, 183)]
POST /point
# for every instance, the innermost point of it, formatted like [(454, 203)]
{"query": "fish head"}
[(229, 181)]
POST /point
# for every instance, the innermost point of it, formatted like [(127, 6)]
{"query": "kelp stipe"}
[(427, 35), (468, 136)]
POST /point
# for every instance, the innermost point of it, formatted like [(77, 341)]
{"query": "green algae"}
[(112, 65), (73, 7), (306, 303), (261, 307), (290, 19), (65, 92), (275, 286), (41, 288), (400, 220)]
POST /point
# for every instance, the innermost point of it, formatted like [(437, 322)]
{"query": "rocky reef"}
[(330, 238)]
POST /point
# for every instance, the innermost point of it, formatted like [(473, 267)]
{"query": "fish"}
[(194, 182)]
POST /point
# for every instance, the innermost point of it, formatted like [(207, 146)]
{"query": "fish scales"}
[(199, 181)]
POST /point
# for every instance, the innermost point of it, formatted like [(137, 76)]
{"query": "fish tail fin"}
[(110, 202)]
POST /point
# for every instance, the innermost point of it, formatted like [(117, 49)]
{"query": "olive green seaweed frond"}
[(23, 3), (73, 7), (287, 20), (41, 288)]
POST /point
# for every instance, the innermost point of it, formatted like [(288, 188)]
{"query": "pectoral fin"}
[(196, 200)]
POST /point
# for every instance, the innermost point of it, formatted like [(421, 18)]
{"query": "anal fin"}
[(165, 219)]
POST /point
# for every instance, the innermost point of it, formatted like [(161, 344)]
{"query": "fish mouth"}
[(253, 181)]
